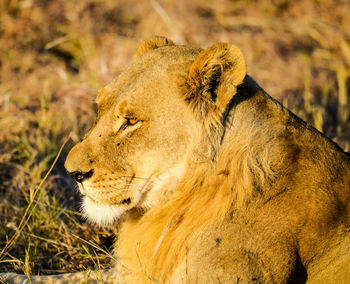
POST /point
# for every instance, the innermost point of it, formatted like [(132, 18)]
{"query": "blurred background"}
[(55, 55)]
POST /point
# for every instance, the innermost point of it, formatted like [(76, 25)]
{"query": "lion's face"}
[(144, 134), (140, 141)]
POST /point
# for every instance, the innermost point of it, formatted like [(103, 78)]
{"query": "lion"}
[(210, 179)]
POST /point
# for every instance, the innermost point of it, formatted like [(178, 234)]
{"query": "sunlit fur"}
[(102, 214), (234, 188)]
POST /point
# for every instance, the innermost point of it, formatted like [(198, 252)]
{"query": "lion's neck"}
[(163, 187), (159, 238)]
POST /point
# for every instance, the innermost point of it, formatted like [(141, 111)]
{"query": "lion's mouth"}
[(83, 192), (126, 201)]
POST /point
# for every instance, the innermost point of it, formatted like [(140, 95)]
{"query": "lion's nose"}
[(79, 176)]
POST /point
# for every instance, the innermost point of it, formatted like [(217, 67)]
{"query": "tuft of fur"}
[(101, 214)]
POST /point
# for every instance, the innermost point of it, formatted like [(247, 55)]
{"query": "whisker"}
[(100, 191), (148, 181), (133, 177), (110, 189)]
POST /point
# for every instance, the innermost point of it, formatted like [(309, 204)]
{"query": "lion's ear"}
[(214, 76), (152, 43)]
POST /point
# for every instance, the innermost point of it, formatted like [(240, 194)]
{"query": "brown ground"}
[(55, 55)]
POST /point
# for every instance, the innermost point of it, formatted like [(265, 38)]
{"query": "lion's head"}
[(152, 122)]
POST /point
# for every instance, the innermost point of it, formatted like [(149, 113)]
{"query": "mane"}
[(208, 193)]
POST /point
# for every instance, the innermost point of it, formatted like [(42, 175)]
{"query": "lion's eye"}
[(131, 121)]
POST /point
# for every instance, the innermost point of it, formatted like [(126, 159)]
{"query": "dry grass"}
[(55, 55)]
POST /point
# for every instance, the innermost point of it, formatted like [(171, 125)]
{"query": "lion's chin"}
[(99, 213)]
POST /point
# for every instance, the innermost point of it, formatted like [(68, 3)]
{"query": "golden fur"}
[(211, 179)]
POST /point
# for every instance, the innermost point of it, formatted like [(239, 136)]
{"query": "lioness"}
[(213, 181)]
